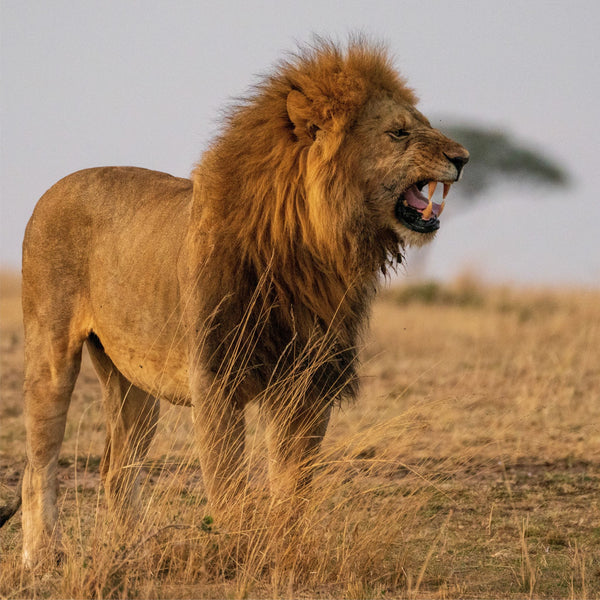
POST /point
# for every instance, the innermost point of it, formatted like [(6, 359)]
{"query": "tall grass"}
[(468, 468), (351, 539)]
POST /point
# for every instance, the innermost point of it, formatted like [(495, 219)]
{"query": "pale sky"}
[(141, 82)]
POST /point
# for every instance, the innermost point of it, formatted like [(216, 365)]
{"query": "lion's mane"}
[(286, 217)]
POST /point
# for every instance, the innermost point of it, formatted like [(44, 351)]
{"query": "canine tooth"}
[(432, 186), (426, 214), (446, 189), (441, 210)]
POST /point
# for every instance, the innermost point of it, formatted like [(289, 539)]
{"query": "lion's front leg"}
[(294, 437), (220, 433)]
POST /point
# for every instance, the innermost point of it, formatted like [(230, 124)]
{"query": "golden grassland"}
[(469, 468)]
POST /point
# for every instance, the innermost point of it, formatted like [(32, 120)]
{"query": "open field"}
[(470, 468)]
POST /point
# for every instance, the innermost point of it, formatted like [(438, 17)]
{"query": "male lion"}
[(252, 280)]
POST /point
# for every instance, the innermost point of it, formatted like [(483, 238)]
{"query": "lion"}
[(251, 281)]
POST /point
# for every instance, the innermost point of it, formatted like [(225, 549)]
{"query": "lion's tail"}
[(8, 510)]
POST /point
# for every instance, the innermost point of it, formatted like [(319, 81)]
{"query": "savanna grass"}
[(468, 468)]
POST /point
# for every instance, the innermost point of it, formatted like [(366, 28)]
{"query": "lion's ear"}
[(301, 115)]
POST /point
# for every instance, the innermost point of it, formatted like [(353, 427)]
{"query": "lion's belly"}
[(137, 317), (141, 330), (155, 365)]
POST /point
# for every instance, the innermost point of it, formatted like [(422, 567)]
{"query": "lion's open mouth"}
[(418, 212)]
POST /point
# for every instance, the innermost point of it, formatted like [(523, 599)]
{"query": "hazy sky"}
[(87, 83)]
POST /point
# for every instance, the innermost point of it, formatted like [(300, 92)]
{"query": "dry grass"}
[(470, 467)]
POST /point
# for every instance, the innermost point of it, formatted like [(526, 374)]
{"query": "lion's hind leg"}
[(52, 362), (131, 416)]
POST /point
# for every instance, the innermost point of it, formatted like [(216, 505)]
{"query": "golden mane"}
[(293, 206)]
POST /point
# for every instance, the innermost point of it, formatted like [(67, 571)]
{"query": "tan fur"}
[(252, 281)]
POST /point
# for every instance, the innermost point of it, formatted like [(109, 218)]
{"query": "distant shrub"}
[(468, 292), (464, 292)]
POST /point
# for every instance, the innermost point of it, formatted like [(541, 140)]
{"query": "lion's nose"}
[(459, 158)]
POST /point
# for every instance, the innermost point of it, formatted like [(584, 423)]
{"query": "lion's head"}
[(329, 158), (401, 154), (355, 107)]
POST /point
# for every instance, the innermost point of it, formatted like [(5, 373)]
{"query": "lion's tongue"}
[(414, 198)]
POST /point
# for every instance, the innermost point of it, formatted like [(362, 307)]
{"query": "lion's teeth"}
[(432, 186), (446, 190), (441, 209), (426, 214)]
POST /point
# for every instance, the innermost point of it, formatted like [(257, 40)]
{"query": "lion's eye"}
[(398, 134)]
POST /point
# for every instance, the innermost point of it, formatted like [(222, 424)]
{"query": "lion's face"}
[(402, 159)]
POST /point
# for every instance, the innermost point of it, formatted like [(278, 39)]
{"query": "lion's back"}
[(91, 207), (102, 218)]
